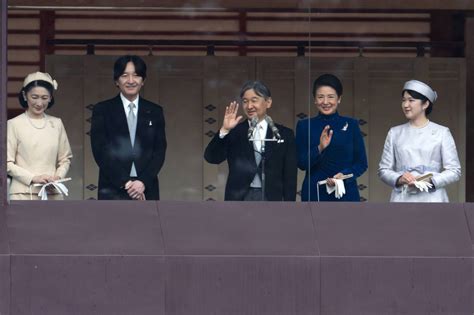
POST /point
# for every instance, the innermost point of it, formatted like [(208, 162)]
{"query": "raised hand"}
[(230, 117), (325, 138)]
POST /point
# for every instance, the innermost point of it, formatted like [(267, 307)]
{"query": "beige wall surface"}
[(195, 90)]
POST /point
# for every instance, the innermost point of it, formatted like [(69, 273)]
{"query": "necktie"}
[(257, 148), (132, 122), (132, 128), (257, 145)]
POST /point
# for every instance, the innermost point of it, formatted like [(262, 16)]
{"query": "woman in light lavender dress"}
[(419, 157)]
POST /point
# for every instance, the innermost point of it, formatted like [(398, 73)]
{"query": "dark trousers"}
[(254, 194)]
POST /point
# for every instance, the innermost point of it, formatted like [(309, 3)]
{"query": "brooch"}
[(345, 127)]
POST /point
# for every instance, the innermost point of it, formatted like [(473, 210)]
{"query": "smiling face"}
[(326, 100), (38, 99), (255, 105), (130, 82), (413, 108)]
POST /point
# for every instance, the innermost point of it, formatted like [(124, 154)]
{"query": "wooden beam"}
[(241, 34), (251, 4), (192, 16)]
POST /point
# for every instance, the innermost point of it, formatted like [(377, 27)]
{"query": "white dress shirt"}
[(259, 133), (126, 106), (126, 102)]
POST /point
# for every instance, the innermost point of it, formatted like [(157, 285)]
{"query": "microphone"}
[(272, 126), (253, 124)]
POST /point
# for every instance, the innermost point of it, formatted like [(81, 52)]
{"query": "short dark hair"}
[(422, 98), (121, 64), (258, 86), (328, 80), (37, 83)]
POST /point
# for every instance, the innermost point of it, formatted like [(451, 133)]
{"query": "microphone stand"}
[(262, 154)]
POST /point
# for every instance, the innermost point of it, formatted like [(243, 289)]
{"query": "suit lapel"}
[(269, 145), (247, 145), (119, 116), (143, 119)]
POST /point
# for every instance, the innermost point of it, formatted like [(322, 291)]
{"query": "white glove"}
[(338, 188), (60, 187), (422, 185)]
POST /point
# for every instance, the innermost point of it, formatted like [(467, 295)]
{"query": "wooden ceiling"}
[(385, 5)]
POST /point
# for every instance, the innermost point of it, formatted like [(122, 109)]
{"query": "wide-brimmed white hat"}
[(40, 76), (422, 88)]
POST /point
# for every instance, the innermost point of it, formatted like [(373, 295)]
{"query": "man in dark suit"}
[(245, 158), (128, 137)]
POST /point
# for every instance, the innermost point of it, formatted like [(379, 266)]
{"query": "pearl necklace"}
[(36, 127)]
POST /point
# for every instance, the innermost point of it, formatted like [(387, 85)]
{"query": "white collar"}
[(126, 102), (263, 124)]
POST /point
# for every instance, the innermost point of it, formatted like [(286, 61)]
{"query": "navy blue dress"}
[(345, 154)]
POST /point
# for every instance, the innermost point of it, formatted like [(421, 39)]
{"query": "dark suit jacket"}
[(113, 152), (280, 163)]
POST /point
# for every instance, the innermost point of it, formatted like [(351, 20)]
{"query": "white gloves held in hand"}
[(338, 188), (60, 187), (422, 185)]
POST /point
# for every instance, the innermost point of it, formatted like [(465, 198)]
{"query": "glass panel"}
[(197, 62), (199, 58)]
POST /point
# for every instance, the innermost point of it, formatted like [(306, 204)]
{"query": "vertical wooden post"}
[(242, 32), (47, 30), (447, 26), (3, 101), (469, 53)]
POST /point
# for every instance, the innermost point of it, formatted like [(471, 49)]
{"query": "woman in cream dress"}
[(419, 147), (38, 150)]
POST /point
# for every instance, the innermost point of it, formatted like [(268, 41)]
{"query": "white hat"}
[(422, 88), (40, 76)]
